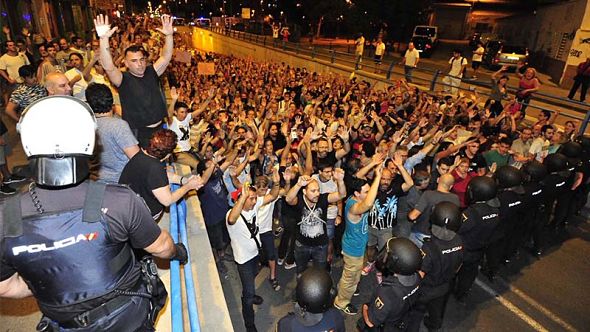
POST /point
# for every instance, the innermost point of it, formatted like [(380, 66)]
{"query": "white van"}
[(429, 31)]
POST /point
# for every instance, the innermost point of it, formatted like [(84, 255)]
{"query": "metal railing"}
[(429, 79), (178, 230)]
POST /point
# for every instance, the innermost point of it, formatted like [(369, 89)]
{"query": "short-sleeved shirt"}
[(128, 220), (383, 214), (142, 99), (328, 187), (411, 57), (243, 245), (144, 174), (24, 95), (425, 204), (540, 148), (312, 221), (456, 65), (478, 57), (493, 156), (12, 63), (79, 88), (114, 135), (475, 163), (213, 197), (183, 132)]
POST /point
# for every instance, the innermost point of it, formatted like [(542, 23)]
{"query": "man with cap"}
[(443, 255), (479, 221), (399, 263), (509, 180), (313, 310), (69, 241)]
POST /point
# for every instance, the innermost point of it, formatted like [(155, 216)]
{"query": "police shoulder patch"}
[(379, 303)]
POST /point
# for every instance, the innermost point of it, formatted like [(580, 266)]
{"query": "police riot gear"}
[(446, 220), (399, 256), (482, 189), (571, 149)]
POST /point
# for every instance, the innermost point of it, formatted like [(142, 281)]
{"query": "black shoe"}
[(357, 292), (13, 179), (6, 190), (258, 300), (274, 283), (461, 299)]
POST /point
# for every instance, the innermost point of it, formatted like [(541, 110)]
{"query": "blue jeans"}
[(303, 253), (408, 70), (247, 272)]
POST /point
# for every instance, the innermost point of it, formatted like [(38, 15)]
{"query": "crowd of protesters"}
[(333, 166)]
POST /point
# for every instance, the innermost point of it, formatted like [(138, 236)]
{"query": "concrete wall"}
[(451, 22), (208, 41), (545, 31)]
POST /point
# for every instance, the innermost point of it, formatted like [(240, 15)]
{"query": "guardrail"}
[(178, 229), (434, 77)]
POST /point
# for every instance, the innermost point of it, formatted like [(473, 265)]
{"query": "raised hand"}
[(276, 177), (167, 29), (303, 180), (288, 174), (173, 93), (102, 26), (378, 158), (338, 174)]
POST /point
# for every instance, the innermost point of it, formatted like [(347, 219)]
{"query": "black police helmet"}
[(481, 188), (509, 176), (555, 162), (314, 290), (535, 170), (571, 149), (400, 256), (584, 142), (447, 215)]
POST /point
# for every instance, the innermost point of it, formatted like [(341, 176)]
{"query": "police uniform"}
[(391, 303), (565, 203), (441, 261), (73, 248), (511, 204), (534, 199), (479, 222), (556, 185), (331, 320)]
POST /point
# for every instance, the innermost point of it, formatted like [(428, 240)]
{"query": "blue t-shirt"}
[(213, 197), (356, 235)]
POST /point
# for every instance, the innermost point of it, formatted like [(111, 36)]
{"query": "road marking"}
[(542, 309), (526, 318)]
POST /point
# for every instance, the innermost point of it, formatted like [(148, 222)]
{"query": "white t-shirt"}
[(540, 148), (411, 57), (456, 65), (12, 63), (327, 188), (478, 57), (264, 218), (183, 132), (243, 245), (380, 48), (79, 88), (360, 45)]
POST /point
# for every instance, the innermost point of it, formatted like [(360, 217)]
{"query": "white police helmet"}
[(58, 135)]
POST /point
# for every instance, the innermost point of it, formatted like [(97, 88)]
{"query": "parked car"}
[(429, 31), (423, 45), (202, 22), (498, 53)]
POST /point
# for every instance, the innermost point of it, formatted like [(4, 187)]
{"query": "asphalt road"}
[(547, 294)]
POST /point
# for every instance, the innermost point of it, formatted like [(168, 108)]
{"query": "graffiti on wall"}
[(580, 48)]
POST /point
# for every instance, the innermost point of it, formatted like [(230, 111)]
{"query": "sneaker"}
[(280, 261), (6, 190), (275, 284), (13, 179), (349, 309), (290, 266), (368, 268), (258, 300)]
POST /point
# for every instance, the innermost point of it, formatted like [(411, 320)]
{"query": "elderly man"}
[(57, 84)]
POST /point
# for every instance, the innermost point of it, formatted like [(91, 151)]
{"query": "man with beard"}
[(312, 236), (382, 216)]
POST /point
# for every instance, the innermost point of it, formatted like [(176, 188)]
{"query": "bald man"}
[(420, 215), (57, 84)]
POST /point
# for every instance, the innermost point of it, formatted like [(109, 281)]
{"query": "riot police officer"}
[(313, 310), (565, 203), (69, 242), (534, 197), (509, 179), (582, 191), (399, 262), (443, 255), (556, 184), (479, 221)]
